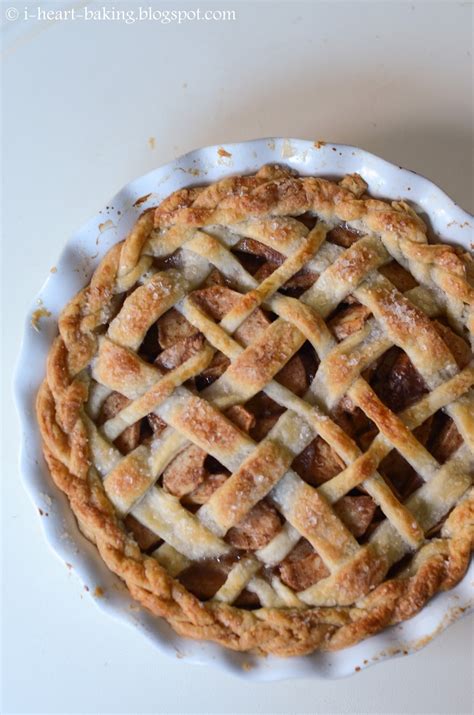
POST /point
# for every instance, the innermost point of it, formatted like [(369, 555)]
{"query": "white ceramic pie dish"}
[(80, 256)]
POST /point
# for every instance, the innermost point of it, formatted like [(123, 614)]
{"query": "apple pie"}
[(261, 410)]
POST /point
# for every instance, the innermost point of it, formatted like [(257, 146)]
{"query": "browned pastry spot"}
[(258, 528), (355, 184), (130, 437)]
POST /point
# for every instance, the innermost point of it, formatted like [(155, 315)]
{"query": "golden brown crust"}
[(264, 203)]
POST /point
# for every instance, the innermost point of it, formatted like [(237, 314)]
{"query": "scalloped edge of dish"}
[(76, 262)]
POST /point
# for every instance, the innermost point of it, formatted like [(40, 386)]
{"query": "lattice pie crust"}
[(261, 410)]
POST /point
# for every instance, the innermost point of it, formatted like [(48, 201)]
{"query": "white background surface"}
[(79, 104)]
